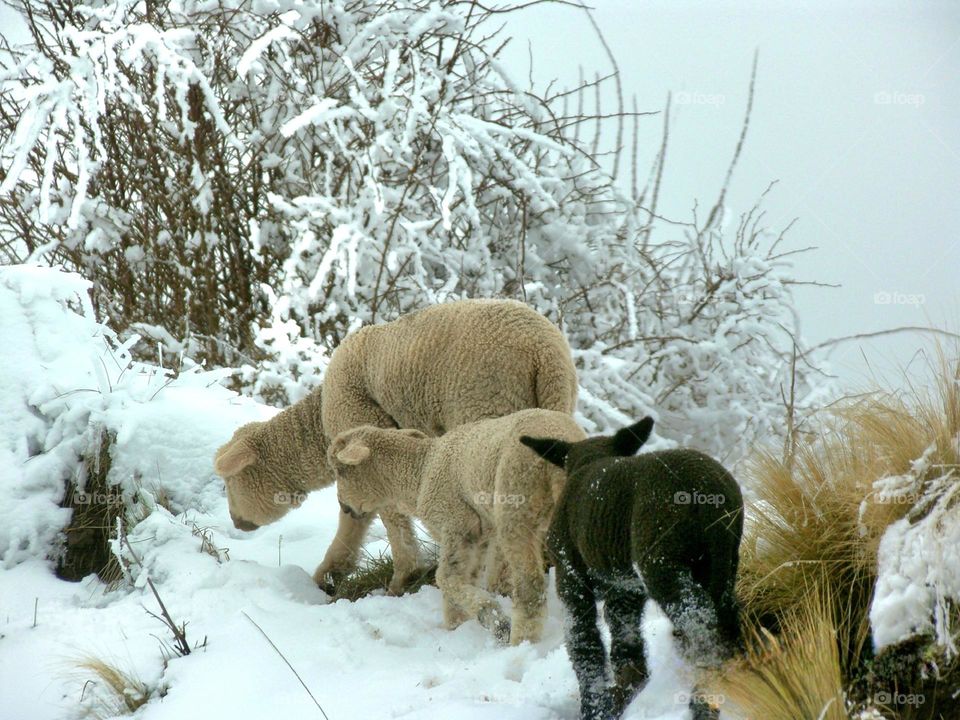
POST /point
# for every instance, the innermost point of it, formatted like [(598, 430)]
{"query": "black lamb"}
[(664, 525)]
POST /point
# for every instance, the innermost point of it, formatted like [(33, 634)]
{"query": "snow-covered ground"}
[(66, 379), (380, 657)]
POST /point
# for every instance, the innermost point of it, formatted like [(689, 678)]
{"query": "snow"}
[(69, 380), (380, 657), (918, 574)]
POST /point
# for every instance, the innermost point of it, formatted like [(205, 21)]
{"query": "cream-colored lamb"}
[(431, 370), (471, 487)]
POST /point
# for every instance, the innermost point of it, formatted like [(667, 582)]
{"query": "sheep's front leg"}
[(403, 545), (341, 557), (456, 570), (585, 645)]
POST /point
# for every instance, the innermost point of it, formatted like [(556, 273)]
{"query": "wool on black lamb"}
[(664, 525)]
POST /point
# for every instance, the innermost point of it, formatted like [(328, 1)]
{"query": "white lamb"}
[(472, 486)]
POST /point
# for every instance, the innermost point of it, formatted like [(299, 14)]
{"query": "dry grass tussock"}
[(793, 676), (374, 572), (809, 555), (109, 691)]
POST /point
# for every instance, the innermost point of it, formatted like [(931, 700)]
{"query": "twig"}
[(879, 333), (179, 633), (283, 657), (618, 84)]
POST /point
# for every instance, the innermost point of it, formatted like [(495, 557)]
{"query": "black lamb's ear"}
[(630, 439), (554, 451)]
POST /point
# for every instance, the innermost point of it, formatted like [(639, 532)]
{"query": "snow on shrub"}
[(258, 180), (67, 381)]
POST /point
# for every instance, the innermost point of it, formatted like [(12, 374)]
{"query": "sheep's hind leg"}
[(694, 617), (498, 579), (458, 562), (453, 614), (523, 551), (623, 610), (585, 645)]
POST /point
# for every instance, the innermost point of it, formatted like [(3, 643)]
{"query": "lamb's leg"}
[(498, 580), (403, 546), (690, 609), (453, 614), (457, 563), (585, 645), (623, 610), (523, 551), (728, 619), (341, 557), (694, 617)]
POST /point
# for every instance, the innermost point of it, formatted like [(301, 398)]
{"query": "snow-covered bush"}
[(68, 384), (252, 181)]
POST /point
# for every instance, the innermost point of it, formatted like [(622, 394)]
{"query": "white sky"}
[(874, 184), (857, 114)]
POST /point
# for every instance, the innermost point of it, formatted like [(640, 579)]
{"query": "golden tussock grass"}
[(793, 676), (809, 554), (110, 691)]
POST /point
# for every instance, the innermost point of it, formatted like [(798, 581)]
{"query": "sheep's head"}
[(571, 455), (262, 483), (363, 460)]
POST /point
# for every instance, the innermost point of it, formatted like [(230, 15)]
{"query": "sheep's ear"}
[(354, 453), (413, 433), (234, 457), (628, 440), (554, 451)]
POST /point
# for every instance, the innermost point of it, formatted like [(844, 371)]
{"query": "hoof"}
[(499, 624), (327, 580)]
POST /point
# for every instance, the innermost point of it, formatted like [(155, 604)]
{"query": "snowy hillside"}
[(202, 202), (379, 657)]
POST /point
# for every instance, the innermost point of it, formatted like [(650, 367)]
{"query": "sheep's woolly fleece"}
[(473, 486), (431, 370)]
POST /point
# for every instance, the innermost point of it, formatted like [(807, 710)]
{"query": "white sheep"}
[(471, 487), (431, 370)]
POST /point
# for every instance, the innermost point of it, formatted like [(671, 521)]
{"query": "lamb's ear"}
[(413, 433), (629, 439), (354, 453), (234, 457), (554, 451)]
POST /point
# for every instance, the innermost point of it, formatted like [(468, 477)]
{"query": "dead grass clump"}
[(809, 556), (94, 518), (110, 691), (793, 676), (374, 573)]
